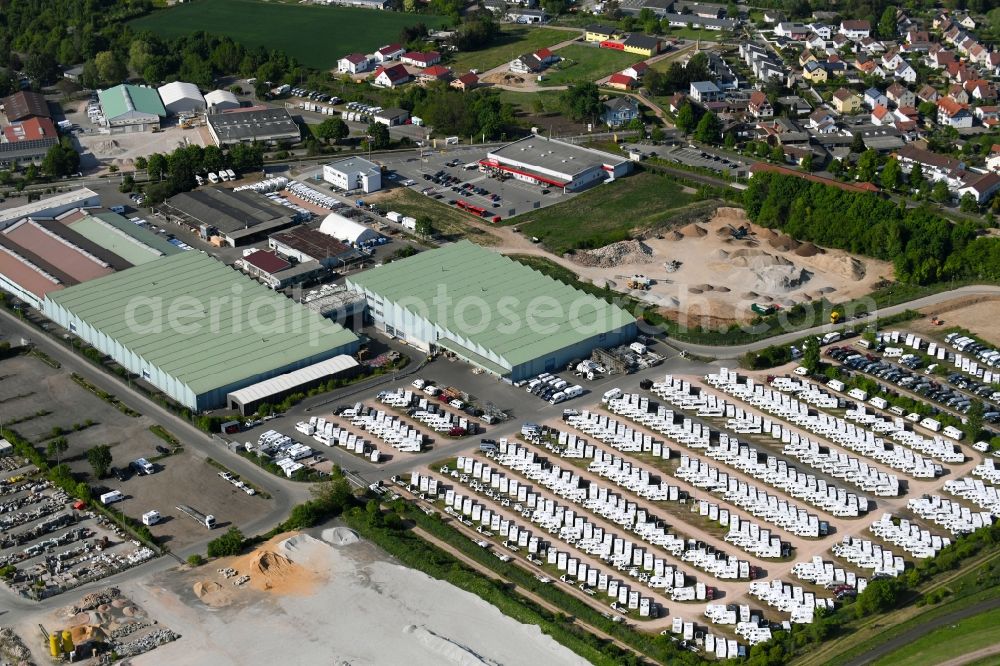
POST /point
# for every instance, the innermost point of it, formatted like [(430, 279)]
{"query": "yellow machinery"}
[(834, 317)]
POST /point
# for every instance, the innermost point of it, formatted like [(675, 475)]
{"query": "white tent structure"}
[(180, 97), (347, 231), (221, 100)]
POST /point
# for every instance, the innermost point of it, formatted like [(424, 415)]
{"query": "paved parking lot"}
[(38, 400), (706, 160)]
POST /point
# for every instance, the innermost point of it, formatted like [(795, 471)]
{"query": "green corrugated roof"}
[(129, 241), (509, 290), (124, 98), (262, 331)]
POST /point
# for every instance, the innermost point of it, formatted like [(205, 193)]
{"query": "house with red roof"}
[(354, 63), (637, 71), (759, 106), (953, 114), (391, 77), (389, 52), (420, 58), (32, 129), (466, 82), (434, 73), (620, 81)]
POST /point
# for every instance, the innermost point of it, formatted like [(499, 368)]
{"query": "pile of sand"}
[(86, 632), (616, 254), (340, 536), (675, 235), (755, 259), (720, 254), (778, 279), (749, 294), (808, 250), (845, 266), (784, 243), (692, 231)]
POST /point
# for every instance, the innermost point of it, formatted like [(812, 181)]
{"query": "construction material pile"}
[(616, 254)]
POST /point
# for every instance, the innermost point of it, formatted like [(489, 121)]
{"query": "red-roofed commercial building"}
[(32, 129)]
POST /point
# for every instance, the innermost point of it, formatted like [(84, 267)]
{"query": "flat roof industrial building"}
[(238, 217), (195, 328), (548, 162), (490, 310), (262, 124), (129, 108), (247, 400), (51, 207)]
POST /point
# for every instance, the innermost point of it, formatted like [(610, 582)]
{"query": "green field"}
[(586, 63), (515, 40), (315, 36), (949, 641), (605, 213)]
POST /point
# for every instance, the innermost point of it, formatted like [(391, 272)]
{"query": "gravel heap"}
[(616, 254)]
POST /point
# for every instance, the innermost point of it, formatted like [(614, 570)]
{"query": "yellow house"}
[(805, 57), (600, 33), (643, 45), (845, 102), (815, 72)]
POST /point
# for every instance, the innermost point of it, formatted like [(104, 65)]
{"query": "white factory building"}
[(354, 173), (218, 101), (179, 97), (552, 163), (346, 230)]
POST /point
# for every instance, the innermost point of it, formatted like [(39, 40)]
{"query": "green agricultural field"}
[(586, 63), (315, 36), (949, 641), (605, 213), (515, 40)]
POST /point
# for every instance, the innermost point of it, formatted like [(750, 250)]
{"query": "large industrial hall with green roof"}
[(195, 328), (489, 310)]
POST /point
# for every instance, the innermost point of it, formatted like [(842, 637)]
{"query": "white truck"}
[(112, 497), (206, 520), (231, 174)]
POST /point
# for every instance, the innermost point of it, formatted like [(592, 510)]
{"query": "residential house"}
[(526, 16), (981, 90), (793, 31), (814, 41), (675, 102), (966, 21), (939, 57), (705, 91), (953, 114), (820, 117), (420, 58), (525, 64), (389, 52), (891, 60), (846, 102), (779, 130), (620, 111), (815, 72), (636, 71), (935, 166), (869, 67), (989, 116), (917, 40), (978, 54), (927, 93), (900, 95), (882, 116), (685, 20), (874, 97), (620, 81), (855, 30), (546, 57), (466, 82), (434, 73), (773, 16), (993, 160), (905, 72), (841, 42), (958, 93), (600, 33), (806, 57), (981, 186), (821, 29), (354, 63), (391, 76), (795, 105), (759, 106)]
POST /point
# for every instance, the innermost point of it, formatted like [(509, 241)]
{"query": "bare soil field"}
[(977, 314), (720, 277), (338, 589)]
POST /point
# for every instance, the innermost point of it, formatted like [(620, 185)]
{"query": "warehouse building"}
[(551, 163), (347, 230), (51, 207), (234, 218), (253, 124), (277, 273), (179, 97), (196, 329), (218, 101), (247, 400), (489, 310), (354, 173), (129, 108), (302, 244), (25, 104), (133, 243)]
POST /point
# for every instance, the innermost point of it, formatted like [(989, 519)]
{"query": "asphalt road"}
[(922, 630)]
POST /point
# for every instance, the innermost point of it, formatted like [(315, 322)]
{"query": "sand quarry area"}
[(330, 598), (978, 314), (719, 276)]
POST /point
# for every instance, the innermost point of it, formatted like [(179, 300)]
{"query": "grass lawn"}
[(448, 221), (586, 63), (315, 36), (949, 641), (516, 40), (605, 213)]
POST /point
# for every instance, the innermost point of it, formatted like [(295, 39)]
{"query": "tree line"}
[(923, 246)]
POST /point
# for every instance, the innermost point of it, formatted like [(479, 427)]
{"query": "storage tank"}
[(55, 645), (67, 641)]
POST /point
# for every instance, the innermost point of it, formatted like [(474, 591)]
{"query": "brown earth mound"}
[(783, 243), (693, 230), (808, 250)]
